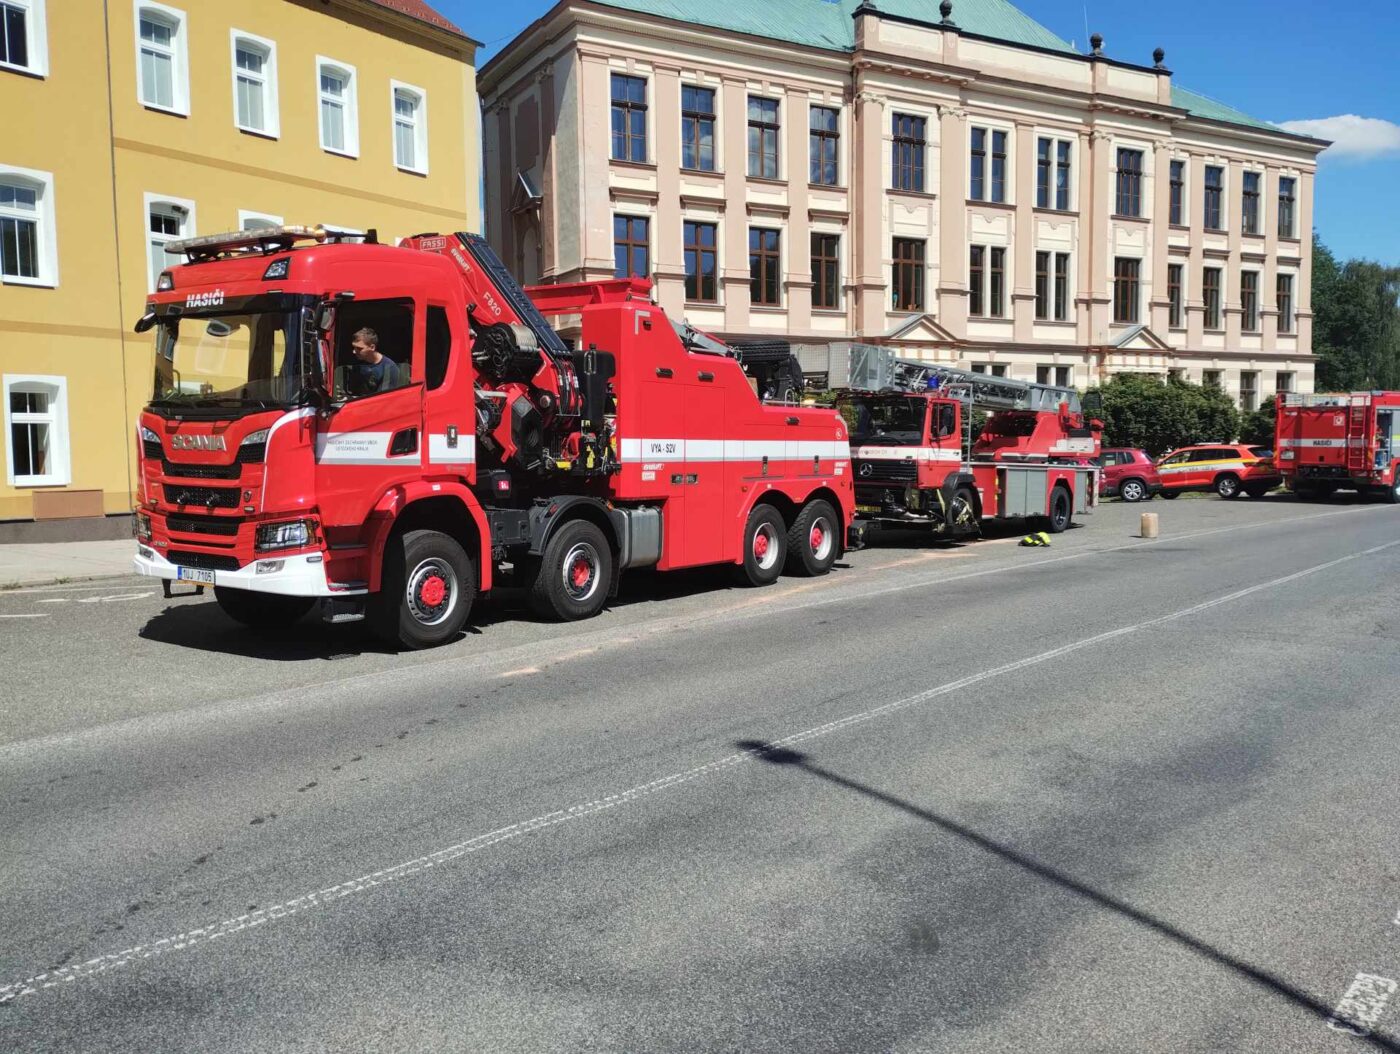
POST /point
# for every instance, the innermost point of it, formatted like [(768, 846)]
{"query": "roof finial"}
[(867, 7), (1096, 42), (1157, 57), (946, 10)]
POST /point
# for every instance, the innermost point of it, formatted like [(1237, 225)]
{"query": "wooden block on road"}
[(1149, 525)]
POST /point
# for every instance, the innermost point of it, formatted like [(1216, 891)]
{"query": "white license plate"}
[(194, 574)]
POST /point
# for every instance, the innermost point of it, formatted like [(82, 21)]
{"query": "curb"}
[(19, 585)]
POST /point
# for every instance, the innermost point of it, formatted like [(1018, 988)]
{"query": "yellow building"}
[(162, 122)]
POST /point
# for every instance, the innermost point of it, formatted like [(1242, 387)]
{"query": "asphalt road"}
[(1114, 795)]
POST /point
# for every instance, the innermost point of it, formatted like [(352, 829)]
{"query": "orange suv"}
[(1229, 469)]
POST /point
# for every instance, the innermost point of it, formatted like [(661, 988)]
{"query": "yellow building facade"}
[(160, 122)]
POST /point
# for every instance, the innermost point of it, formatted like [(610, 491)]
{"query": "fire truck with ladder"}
[(385, 429), (1325, 443), (919, 461)]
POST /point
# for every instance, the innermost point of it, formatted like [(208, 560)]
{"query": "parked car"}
[(1128, 473), (1229, 469)]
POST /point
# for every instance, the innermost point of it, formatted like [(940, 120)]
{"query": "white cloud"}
[(1351, 136)]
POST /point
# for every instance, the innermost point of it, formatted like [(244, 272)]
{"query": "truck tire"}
[(261, 611), (813, 541), (572, 578), (1228, 486), (1133, 490), (1257, 492), (425, 592), (764, 546), (1171, 495), (1061, 510), (1306, 491)]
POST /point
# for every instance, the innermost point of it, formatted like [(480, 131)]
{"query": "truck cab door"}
[(449, 412)]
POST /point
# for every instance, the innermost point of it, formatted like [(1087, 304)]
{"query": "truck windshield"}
[(890, 421), (240, 362)]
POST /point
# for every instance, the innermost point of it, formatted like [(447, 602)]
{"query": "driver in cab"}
[(373, 372)]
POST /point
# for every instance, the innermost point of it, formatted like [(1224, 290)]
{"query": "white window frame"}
[(46, 227), (57, 419), (269, 220), (991, 125), (271, 115), (37, 38), (149, 200), (180, 66), (350, 105), (420, 137)]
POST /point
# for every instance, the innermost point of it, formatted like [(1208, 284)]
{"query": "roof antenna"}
[(1086, 21)]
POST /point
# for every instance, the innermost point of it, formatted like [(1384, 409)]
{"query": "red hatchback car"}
[(1128, 473)]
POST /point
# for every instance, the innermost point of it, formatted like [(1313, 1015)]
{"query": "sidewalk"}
[(43, 563)]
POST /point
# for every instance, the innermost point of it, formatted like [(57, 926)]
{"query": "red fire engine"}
[(1325, 443), (383, 428), (917, 462)]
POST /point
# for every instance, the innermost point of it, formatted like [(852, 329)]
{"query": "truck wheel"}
[(1392, 494), (1306, 492), (1228, 486), (1171, 495), (425, 592), (1257, 492), (1132, 490), (573, 576), (1061, 510), (261, 611), (765, 546), (813, 540)]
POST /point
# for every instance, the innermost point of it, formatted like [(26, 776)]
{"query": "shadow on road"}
[(778, 755)]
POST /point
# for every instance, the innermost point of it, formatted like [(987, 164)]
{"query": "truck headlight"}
[(294, 535), (260, 436), (148, 436), (142, 527)]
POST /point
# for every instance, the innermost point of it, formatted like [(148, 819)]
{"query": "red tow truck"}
[(1325, 443), (918, 464), (284, 463)]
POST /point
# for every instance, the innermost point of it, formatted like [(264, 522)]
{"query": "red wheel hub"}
[(433, 591), (760, 545), (580, 572), (818, 536)]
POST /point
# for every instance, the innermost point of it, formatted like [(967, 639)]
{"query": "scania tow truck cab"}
[(385, 428)]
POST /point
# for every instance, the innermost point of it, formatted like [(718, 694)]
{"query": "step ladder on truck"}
[(1327, 442), (920, 462)]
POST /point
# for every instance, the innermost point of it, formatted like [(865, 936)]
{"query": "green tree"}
[(1356, 323), (1141, 411), (1257, 427)]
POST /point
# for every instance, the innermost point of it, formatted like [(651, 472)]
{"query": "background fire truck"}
[(1325, 443), (920, 460), (267, 473)]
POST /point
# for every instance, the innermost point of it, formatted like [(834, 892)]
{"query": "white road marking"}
[(39, 615), (227, 927), (96, 600), (1362, 1004)]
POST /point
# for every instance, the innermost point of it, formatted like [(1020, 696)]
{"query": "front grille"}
[(151, 450), (252, 454), (209, 497), (207, 561), (170, 468), (222, 525), (874, 471)]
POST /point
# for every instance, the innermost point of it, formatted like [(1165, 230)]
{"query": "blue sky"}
[(1282, 60)]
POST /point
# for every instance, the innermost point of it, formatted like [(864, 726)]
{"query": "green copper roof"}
[(828, 24)]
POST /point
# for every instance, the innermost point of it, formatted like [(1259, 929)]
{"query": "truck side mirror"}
[(325, 318), (145, 322)]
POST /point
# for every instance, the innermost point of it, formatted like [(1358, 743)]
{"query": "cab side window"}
[(373, 347), (438, 347)]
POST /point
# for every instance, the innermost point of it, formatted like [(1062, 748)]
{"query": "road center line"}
[(227, 927)]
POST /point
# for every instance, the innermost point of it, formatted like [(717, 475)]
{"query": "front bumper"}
[(298, 576)]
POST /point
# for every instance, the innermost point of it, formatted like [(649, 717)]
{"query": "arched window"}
[(410, 127), (338, 112), (254, 84), (162, 76)]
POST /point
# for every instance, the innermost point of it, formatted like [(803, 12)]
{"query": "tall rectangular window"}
[(1210, 296), (825, 145), (976, 280), (765, 262), (24, 36), (1044, 171), (1129, 183), (631, 247), (907, 163), (700, 262), (1249, 301), (1287, 206), (826, 271), (1249, 390), (1250, 202), (1126, 273), (1063, 153), (410, 127), (1212, 379), (166, 221), (697, 128), (629, 118), (1056, 376), (763, 137), (1283, 382), (19, 230), (254, 84), (1062, 287), (908, 273), (977, 179), (1042, 284), (998, 166), (1174, 313), (36, 419), (1284, 296), (338, 91), (1215, 198), (996, 283), (1177, 207), (162, 80)]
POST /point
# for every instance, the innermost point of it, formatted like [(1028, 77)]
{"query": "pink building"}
[(952, 178)]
